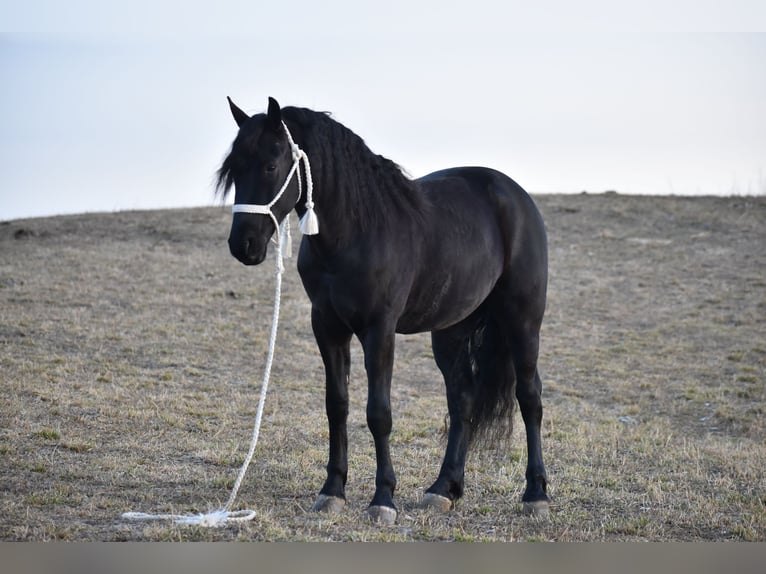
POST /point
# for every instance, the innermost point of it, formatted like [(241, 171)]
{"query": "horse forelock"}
[(243, 146)]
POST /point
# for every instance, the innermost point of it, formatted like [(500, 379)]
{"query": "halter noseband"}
[(309, 224)]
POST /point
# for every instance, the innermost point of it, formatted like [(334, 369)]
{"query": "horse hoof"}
[(436, 502), (536, 508), (382, 514), (328, 504)]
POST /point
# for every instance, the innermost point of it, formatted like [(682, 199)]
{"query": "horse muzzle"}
[(246, 252), (246, 244)]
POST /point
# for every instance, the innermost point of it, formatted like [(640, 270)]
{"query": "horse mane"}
[(352, 183)]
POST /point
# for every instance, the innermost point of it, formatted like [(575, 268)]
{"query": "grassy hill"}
[(132, 345)]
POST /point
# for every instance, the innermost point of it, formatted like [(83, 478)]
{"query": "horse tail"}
[(494, 382)]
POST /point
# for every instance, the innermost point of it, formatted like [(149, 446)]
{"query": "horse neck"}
[(356, 192)]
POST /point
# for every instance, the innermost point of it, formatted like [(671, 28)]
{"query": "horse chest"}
[(358, 295)]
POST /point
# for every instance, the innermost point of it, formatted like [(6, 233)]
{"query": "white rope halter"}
[(308, 226)]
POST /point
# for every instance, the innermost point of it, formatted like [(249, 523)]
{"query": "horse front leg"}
[(334, 340), (378, 345)]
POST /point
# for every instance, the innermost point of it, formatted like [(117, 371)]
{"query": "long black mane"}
[(351, 182)]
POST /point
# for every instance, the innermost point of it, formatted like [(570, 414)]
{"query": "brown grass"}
[(132, 348)]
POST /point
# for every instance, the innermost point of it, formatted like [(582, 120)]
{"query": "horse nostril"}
[(234, 246), (240, 248)]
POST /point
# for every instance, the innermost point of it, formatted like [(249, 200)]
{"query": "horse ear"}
[(239, 116), (274, 114)]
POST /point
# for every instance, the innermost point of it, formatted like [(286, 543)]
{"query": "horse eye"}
[(271, 167)]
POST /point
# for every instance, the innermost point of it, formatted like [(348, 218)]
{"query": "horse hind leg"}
[(480, 400), (535, 499), (507, 366), (452, 357)]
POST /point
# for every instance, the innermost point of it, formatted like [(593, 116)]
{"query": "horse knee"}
[(379, 419), (337, 409)]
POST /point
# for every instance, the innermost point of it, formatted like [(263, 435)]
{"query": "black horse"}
[(461, 253)]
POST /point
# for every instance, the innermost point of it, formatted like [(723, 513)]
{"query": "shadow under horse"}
[(461, 253)]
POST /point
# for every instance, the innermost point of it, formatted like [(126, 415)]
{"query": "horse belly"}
[(445, 301)]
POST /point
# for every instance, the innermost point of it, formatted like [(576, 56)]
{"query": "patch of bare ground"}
[(132, 348)]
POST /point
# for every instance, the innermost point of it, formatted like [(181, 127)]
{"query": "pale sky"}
[(122, 105)]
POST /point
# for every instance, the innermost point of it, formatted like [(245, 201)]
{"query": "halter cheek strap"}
[(309, 224)]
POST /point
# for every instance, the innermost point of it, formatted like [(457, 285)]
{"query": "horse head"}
[(260, 166)]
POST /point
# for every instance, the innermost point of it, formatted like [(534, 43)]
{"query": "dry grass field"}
[(132, 344)]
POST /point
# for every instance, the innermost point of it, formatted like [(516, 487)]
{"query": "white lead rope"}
[(222, 516)]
